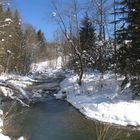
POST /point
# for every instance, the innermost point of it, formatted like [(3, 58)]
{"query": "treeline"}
[(128, 41), (84, 38), (20, 44), (88, 44)]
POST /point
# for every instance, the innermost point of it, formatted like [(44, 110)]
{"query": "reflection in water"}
[(105, 132), (57, 120)]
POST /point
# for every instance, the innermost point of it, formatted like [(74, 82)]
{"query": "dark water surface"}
[(58, 120)]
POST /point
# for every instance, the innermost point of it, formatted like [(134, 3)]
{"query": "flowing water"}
[(58, 120)]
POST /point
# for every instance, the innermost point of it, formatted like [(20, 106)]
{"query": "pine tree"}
[(14, 43), (87, 41), (8, 19), (19, 43), (42, 51), (128, 37)]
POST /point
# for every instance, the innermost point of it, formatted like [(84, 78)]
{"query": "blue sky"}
[(37, 13)]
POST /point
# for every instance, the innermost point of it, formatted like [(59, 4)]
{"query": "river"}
[(58, 120)]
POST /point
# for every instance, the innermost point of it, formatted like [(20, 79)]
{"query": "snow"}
[(5, 91), (47, 66), (54, 14), (21, 81), (8, 20), (18, 81), (1, 121), (101, 98), (2, 137), (9, 51), (22, 138), (37, 95), (127, 41), (121, 112)]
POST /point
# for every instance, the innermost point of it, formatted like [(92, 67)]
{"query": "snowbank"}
[(11, 85), (49, 68), (102, 99), (43, 67), (18, 80), (2, 137)]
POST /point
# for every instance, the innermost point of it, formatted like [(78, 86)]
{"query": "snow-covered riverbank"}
[(2, 137), (17, 81), (98, 98), (102, 99), (16, 87)]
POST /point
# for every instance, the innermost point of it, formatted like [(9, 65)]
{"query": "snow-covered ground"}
[(47, 66), (98, 98), (102, 99), (16, 81), (19, 82), (2, 137)]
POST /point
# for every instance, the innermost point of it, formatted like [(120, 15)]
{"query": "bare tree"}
[(68, 32), (101, 7), (115, 38)]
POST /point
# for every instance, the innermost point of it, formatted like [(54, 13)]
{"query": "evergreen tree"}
[(14, 37), (87, 41), (42, 45), (129, 37), (18, 43), (8, 22), (14, 44)]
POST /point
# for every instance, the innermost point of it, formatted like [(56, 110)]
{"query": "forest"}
[(92, 62)]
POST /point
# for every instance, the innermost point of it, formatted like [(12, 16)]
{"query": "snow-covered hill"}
[(43, 67)]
